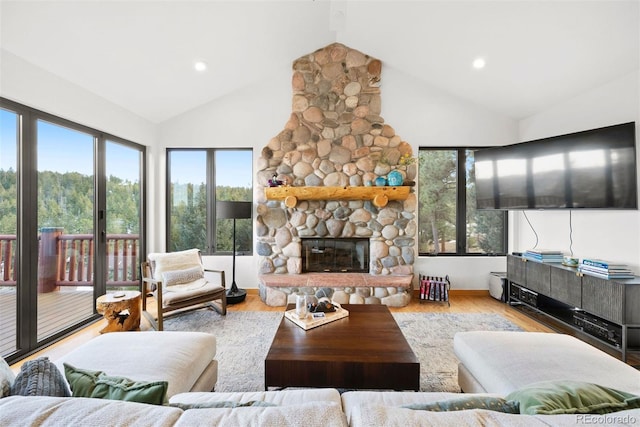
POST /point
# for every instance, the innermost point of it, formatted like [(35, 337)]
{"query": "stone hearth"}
[(343, 288), (335, 137)]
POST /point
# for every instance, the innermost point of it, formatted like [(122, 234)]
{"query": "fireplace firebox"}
[(349, 255)]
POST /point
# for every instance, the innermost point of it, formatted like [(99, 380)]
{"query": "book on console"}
[(594, 262), (608, 276), (604, 270), (544, 256), (544, 252)]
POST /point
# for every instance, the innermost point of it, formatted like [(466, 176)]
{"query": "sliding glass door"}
[(123, 173), (66, 203), (71, 225), (9, 282)]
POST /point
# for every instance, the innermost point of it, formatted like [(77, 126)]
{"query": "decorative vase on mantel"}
[(395, 178), (380, 181)]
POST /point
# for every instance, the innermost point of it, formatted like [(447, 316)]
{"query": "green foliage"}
[(189, 219), (437, 195), (123, 202), (490, 231), (67, 200), (484, 230), (8, 202)]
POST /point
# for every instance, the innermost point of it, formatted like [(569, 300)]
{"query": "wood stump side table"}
[(121, 310)]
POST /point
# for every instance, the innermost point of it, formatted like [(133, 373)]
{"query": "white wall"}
[(248, 118), (30, 85), (425, 116), (612, 235), (420, 114)]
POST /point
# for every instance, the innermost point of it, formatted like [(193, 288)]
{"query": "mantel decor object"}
[(380, 181), (234, 210), (395, 178)]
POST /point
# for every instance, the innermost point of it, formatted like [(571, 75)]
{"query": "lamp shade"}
[(233, 210)]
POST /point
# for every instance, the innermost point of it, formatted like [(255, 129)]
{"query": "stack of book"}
[(541, 255), (605, 269)]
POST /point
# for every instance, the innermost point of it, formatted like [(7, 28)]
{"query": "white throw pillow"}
[(179, 277), (171, 261)]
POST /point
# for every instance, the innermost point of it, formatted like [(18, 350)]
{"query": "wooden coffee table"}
[(366, 350)]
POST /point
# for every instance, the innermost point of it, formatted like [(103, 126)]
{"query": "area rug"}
[(243, 339)]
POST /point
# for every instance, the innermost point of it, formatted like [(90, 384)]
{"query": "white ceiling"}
[(140, 54)]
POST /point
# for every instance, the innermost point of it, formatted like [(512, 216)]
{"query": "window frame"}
[(461, 208), (210, 184), (27, 220)]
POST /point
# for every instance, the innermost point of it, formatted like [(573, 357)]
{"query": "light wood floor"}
[(461, 302)]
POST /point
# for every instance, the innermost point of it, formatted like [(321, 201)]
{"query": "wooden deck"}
[(56, 311)]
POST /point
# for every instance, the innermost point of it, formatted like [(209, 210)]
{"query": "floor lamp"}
[(234, 210)]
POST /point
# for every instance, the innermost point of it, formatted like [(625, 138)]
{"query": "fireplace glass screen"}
[(335, 255)]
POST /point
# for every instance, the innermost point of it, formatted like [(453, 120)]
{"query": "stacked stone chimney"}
[(335, 136)]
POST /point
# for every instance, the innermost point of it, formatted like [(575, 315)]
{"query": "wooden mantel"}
[(379, 195)]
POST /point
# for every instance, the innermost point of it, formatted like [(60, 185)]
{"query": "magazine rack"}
[(435, 289)]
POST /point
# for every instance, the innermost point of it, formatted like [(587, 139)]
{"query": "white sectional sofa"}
[(482, 356), (304, 408), (501, 362), (309, 408), (185, 359), (367, 409)]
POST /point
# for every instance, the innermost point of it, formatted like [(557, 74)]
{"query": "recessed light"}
[(200, 65), (479, 63)]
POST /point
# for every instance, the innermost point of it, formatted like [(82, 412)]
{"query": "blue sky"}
[(233, 167), (64, 150)]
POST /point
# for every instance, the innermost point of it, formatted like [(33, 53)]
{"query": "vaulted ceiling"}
[(140, 54)]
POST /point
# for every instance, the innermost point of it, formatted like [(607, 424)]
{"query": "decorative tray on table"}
[(316, 319)]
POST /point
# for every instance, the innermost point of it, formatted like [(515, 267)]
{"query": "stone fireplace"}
[(336, 139), (343, 255)]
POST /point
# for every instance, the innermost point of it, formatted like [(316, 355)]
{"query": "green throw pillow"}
[(221, 404), (468, 402), (572, 397), (97, 384)]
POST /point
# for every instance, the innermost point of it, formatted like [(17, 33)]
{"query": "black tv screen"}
[(593, 169)]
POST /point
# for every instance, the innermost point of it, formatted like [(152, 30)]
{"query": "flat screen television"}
[(592, 169)]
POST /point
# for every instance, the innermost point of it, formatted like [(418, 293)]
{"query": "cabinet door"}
[(604, 298), (566, 286), (538, 277), (516, 269)]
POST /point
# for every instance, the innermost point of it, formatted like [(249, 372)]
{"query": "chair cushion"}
[(170, 261), (200, 288)]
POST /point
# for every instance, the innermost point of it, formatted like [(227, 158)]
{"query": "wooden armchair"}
[(180, 283)]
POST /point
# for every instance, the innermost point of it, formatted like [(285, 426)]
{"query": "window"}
[(448, 220), (71, 224), (192, 175)]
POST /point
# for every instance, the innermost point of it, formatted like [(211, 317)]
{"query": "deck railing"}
[(67, 260)]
